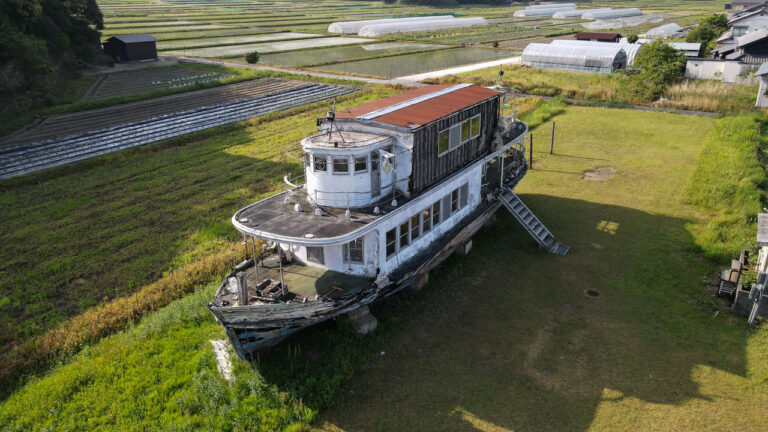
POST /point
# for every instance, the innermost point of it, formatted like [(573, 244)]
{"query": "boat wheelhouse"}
[(391, 189)]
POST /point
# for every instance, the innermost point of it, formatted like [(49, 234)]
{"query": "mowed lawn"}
[(505, 339)]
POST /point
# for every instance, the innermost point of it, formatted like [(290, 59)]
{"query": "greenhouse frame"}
[(407, 27), (630, 49), (353, 27), (601, 59), (615, 13), (663, 31), (578, 13)]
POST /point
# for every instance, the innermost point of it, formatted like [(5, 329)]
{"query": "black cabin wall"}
[(428, 167)]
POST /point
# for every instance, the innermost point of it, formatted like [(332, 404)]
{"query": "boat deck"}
[(302, 281)]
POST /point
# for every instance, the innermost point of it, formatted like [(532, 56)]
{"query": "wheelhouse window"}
[(415, 227), (320, 163), (404, 231), (391, 242), (315, 254), (475, 126), (442, 142), (436, 213), (426, 220), (361, 164), (353, 251), (454, 201), (340, 166), (374, 160)]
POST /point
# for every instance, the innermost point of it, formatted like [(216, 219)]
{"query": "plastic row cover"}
[(353, 27), (578, 13), (630, 49), (407, 27), (542, 12), (615, 13), (663, 31), (575, 57)]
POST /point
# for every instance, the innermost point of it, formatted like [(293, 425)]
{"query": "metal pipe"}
[(255, 264), (280, 263)]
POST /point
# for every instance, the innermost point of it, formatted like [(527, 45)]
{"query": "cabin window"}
[(391, 242), (315, 254), (464, 195), (415, 227), (436, 213), (465, 131), (454, 201), (320, 163), (404, 231), (374, 160), (426, 220), (442, 142), (340, 165), (361, 164), (475, 126), (353, 251)]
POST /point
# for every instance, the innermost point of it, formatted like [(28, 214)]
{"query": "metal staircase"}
[(531, 223)]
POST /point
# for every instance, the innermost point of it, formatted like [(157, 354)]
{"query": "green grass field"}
[(502, 339)]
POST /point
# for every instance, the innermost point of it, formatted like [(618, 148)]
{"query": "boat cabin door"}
[(375, 175)]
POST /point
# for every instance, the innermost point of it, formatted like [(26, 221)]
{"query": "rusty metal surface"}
[(425, 112)]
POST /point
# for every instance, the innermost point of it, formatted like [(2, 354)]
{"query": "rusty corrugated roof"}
[(598, 35), (421, 113)]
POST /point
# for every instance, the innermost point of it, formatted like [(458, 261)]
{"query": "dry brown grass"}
[(712, 96)]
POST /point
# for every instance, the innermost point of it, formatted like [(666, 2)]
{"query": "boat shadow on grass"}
[(506, 338)]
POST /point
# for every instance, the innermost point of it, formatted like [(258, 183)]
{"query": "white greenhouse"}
[(630, 49), (353, 27), (663, 31), (550, 6), (602, 59), (618, 23), (577, 13), (615, 13), (542, 12), (407, 27)]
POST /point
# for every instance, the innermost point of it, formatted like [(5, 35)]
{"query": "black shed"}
[(131, 47)]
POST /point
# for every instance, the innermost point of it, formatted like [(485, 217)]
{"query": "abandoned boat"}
[(391, 189)]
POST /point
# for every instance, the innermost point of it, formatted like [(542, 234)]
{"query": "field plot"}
[(502, 339), (331, 55), (233, 40), (79, 122), (408, 64), (238, 50), (146, 80)]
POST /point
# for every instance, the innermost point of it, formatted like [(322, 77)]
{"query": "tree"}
[(252, 57), (660, 66), (632, 38), (708, 30)]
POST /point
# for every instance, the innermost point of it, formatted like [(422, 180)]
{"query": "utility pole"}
[(530, 152), (552, 141)]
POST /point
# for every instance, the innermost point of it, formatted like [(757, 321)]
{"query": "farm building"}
[(353, 27), (592, 58), (416, 26), (743, 22), (598, 37), (629, 48), (752, 48), (663, 31), (741, 4), (615, 13), (131, 47), (762, 93)]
